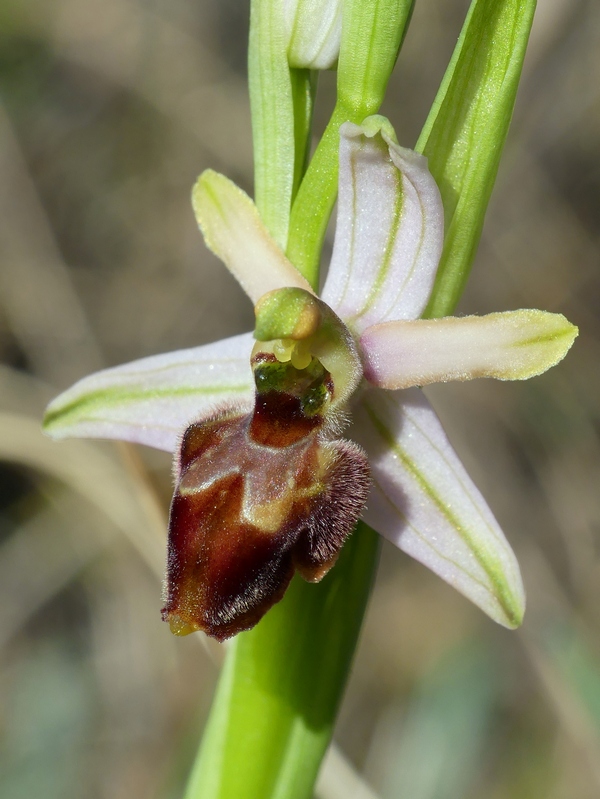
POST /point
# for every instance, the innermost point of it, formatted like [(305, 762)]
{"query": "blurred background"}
[(108, 112)]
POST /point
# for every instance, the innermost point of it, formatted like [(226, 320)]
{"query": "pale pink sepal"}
[(152, 400), (234, 231), (390, 229), (424, 502), (513, 345)]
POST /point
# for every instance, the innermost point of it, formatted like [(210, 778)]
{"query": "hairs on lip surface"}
[(348, 484), (221, 411)]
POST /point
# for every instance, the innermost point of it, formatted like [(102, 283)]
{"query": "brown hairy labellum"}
[(259, 496)]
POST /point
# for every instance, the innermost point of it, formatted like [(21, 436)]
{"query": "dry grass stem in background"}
[(108, 113)]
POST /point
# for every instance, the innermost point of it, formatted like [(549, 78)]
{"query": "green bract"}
[(466, 129), (272, 98)]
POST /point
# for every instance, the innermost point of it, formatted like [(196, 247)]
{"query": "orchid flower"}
[(266, 490)]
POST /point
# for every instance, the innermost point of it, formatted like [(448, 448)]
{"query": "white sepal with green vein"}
[(390, 228), (424, 501), (152, 400)]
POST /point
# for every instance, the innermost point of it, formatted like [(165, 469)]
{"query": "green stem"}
[(317, 194), (304, 87), (281, 686)]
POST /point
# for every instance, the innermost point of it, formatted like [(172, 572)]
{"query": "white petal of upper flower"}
[(234, 231), (513, 345), (390, 229), (313, 32), (152, 400), (424, 502)]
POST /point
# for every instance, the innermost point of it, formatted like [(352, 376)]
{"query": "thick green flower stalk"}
[(271, 532)]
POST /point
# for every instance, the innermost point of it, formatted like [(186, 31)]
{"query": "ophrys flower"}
[(266, 490)]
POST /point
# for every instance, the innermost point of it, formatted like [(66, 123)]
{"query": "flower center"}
[(301, 379), (305, 349)]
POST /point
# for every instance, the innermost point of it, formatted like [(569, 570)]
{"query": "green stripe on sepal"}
[(93, 406), (425, 503), (150, 401)]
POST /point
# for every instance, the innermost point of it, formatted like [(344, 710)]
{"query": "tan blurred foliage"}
[(108, 112)]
